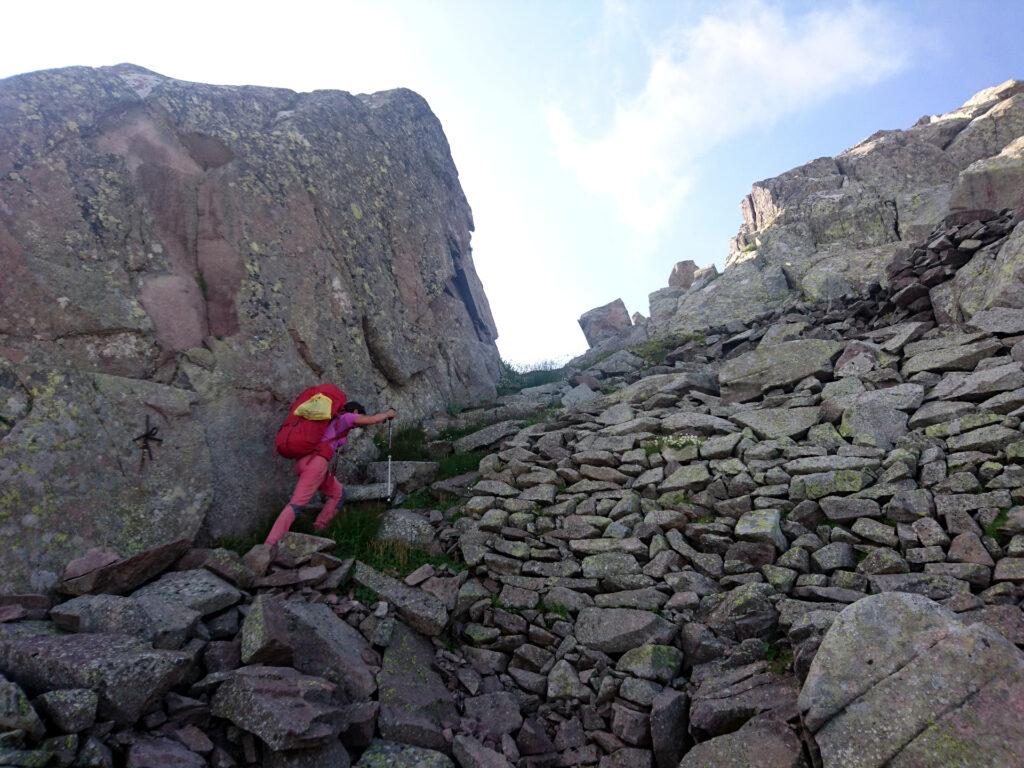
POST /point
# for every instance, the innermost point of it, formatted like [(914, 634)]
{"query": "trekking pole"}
[(390, 422)]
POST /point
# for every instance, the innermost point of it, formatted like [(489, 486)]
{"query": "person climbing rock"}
[(317, 426)]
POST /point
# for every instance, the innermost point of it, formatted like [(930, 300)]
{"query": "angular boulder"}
[(682, 274), (16, 713), (747, 375), (772, 423), (126, 673), (765, 742), (614, 630), (311, 638), (605, 322), (421, 610), (164, 624), (415, 705), (391, 754), (198, 590), (284, 708), (899, 680), (104, 571)]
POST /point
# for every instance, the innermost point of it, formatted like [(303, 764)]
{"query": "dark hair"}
[(354, 407)]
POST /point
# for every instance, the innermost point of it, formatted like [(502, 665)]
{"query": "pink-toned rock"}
[(93, 560), (682, 274), (286, 709), (12, 613), (121, 576), (35, 606), (605, 322)]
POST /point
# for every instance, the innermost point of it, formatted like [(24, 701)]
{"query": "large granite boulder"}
[(195, 255), (899, 680)]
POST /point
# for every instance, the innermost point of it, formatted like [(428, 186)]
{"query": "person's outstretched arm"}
[(377, 418)]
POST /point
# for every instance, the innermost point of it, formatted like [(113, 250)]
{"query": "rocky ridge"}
[(831, 226), (185, 257), (793, 541)]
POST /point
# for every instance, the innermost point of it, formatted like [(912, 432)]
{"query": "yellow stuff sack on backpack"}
[(317, 408)]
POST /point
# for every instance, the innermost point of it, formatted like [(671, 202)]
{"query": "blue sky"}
[(598, 142)]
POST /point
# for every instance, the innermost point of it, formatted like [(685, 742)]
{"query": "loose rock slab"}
[(899, 680), (416, 706), (614, 630), (391, 754), (286, 709), (100, 571), (421, 610), (749, 374), (126, 673), (763, 742)]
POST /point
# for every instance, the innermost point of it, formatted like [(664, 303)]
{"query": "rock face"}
[(900, 680), (830, 227), (194, 255)]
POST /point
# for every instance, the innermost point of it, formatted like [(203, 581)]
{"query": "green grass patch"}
[(778, 656), (354, 532), (451, 434), (515, 378), (558, 610), (407, 444), (424, 499), (459, 464), (654, 351), (992, 529), (365, 595)]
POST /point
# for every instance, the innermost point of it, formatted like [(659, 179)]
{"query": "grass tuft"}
[(424, 499), (407, 444), (558, 610), (993, 529), (515, 378), (459, 464), (654, 351), (778, 656)]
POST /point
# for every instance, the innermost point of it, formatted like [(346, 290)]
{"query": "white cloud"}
[(731, 72)]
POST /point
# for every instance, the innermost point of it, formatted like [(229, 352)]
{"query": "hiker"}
[(313, 466)]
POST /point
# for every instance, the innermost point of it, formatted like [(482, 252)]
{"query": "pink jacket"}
[(336, 434)]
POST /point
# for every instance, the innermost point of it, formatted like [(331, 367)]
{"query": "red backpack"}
[(308, 417)]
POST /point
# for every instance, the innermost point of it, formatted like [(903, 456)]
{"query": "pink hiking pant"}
[(314, 474)]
